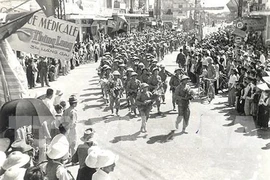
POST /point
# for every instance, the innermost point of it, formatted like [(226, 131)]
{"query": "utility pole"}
[(240, 8)]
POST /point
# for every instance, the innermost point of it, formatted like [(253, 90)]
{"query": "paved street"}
[(219, 144)]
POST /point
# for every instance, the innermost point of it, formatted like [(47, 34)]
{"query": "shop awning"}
[(80, 16), (133, 15), (102, 18), (260, 13)]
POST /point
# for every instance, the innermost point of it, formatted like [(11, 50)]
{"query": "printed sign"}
[(167, 18), (49, 37), (255, 24), (239, 32), (238, 40)]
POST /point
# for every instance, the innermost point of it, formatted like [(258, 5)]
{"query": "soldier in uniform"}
[(144, 101), (144, 78), (43, 71), (127, 79), (162, 73), (155, 86), (115, 92), (132, 89), (104, 82), (174, 82), (183, 95)]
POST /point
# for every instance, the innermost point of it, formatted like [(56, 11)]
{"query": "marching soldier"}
[(104, 82), (144, 78), (132, 89), (127, 79), (174, 82), (183, 95), (115, 92), (144, 102), (155, 86), (163, 76)]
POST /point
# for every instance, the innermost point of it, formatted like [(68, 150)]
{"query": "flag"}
[(13, 81), (14, 24), (79, 3), (48, 6), (232, 5)]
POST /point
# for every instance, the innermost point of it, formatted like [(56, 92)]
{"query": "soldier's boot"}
[(158, 109)]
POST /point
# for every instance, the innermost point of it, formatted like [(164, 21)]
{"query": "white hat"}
[(3, 157), (14, 173), (106, 158), (263, 87), (58, 148), (58, 93), (16, 159), (91, 159), (116, 73)]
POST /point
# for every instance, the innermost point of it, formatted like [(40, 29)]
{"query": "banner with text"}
[(49, 37)]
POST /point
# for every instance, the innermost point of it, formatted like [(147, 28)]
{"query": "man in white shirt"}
[(262, 58), (232, 84), (48, 100)]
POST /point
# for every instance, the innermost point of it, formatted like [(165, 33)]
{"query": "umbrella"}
[(24, 112)]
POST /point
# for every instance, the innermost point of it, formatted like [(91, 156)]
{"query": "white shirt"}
[(62, 174), (262, 58), (204, 61), (49, 104), (232, 80), (101, 175), (57, 99)]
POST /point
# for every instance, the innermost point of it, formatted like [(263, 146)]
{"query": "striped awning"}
[(13, 82)]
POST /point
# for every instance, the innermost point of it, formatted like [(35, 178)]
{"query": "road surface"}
[(219, 145)]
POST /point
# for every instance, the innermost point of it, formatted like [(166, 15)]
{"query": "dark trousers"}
[(31, 80), (44, 77)]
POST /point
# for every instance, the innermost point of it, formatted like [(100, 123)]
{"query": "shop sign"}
[(167, 18), (255, 24), (239, 32), (48, 37)]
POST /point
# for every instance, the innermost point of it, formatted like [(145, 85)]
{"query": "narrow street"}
[(219, 144)]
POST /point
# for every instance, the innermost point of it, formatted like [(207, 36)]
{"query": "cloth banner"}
[(49, 37), (13, 81)]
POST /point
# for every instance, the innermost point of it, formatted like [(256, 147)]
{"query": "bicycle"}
[(206, 90), (210, 89)]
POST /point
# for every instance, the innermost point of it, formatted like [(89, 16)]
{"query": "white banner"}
[(49, 37)]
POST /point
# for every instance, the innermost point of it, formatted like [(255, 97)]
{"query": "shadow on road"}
[(91, 84), (92, 89), (106, 119), (94, 79), (91, 94), (163, 138), (91, 99), (130, 137), (98, 106), (267, 147)]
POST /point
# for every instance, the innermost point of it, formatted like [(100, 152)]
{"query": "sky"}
[(216, 3)]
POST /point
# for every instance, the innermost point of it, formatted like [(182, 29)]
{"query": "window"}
[(109, 4)]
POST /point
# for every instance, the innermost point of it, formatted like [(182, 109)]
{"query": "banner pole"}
[(11, 9), (4, 82), (10, 22)]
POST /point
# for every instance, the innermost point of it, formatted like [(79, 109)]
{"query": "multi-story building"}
[(261, 9), (168, 10)]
